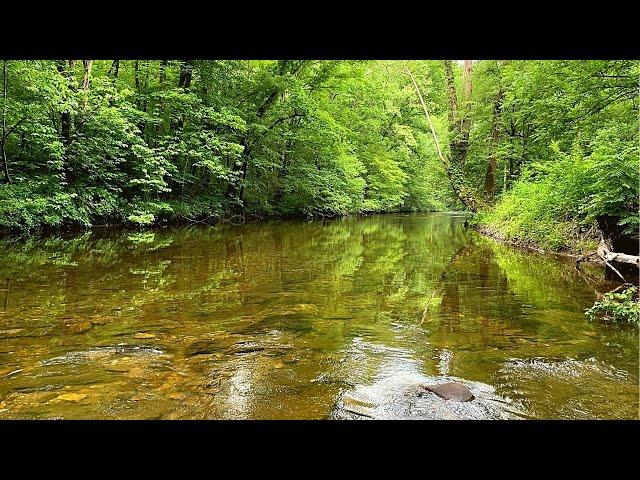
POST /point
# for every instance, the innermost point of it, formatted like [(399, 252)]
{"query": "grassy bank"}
[(556, 204)]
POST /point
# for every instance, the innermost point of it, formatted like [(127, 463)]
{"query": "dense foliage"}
[(569, 149), (141, 142), (552, 144), (617, 307)]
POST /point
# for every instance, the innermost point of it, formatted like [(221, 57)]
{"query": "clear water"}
[(276, 320)]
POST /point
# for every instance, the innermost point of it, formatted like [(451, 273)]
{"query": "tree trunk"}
[(136, 75), (184, 82), (162, 72), (490, 176), (162, 77), (186, 73), (113, 69), (283, 67), (451, 95), (466, 119), (466, 78), (627, 263), (240, 168), (86, 81), (65, 117), (5, 83), (65, 120), (604, 251)]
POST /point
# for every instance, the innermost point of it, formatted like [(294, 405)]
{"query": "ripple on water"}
[(395, 392), (569, 388)]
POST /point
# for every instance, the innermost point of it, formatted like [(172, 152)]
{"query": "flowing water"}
[(296, 319)]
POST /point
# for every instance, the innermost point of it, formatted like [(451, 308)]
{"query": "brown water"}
[(279, 319)]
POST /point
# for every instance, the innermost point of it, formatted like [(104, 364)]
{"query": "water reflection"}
[(264, 321)]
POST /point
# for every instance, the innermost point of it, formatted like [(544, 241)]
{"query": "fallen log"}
[(608, 256)]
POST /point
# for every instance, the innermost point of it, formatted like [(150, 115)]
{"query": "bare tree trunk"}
[(606, 253), (5, 83)]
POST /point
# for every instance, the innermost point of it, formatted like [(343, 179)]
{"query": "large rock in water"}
[(407, 396), (455, 391)]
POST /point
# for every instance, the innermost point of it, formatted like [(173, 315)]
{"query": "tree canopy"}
[(141, 142)]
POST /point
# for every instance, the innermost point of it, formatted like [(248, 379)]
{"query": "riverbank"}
[(174, 215), (529, 245), (568, 238)]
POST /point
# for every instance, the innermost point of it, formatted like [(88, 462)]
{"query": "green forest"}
[(319, 239), (540, 150)]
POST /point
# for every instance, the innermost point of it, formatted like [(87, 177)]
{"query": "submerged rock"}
[(246, 349), (207, 347), (79, 327), (455, 391), (72, 397), (102, 353)]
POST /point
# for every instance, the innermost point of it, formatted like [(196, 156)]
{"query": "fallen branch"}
[(605, 253)]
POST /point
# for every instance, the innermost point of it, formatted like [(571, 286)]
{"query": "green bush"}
[(617, 307), (33, 205)]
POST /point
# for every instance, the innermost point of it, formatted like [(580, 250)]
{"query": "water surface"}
[(278, 320)]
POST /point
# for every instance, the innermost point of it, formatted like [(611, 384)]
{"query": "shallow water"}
[(283, 319)]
